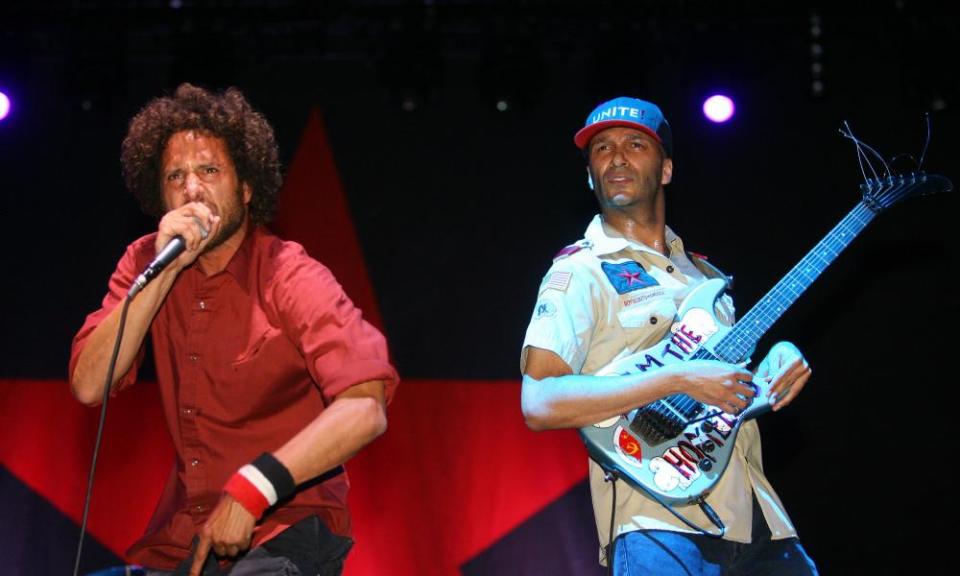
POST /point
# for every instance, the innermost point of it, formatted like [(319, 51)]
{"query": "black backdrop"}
[(459, 206)]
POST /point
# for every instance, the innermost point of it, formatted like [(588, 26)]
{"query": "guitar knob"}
[(708, 446), (707, 426), (706, 465)]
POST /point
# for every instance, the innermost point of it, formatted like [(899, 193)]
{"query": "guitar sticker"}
[(684, 461), (628, 448), (696, 327)]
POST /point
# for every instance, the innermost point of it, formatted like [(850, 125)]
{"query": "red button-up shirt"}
[(245, 359)]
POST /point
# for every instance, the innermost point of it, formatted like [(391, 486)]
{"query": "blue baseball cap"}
[(632, 113)]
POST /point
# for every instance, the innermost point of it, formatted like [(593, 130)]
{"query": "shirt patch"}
[(558, 281), (545, 308), (643, 297), (627, 276)]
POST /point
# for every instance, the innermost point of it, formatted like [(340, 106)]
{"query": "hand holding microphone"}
[(177, 244)]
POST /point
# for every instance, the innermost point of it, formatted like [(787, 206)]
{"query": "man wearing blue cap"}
[(616, 292)]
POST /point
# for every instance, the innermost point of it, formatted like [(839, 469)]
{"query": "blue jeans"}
[(660, 552), (307, 548)]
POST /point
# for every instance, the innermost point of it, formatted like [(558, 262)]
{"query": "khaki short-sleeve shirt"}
[(605, 298)]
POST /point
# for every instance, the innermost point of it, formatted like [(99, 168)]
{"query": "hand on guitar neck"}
[(788, 371), (783, 374)]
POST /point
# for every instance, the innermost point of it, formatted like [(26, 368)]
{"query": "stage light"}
[(408, 103), (718, 108), (4, 106), (816, 56)]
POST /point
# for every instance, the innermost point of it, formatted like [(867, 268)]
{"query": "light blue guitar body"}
[(682, 465)]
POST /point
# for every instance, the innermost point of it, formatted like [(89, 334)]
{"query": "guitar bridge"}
[(664, 419)]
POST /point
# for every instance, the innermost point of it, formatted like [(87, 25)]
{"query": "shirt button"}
[(194, 357), (670, 269), (188, 411), (653, 319), (194, 462), (198, 508)]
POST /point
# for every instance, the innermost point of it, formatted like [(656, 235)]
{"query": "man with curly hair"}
[(269, 377)]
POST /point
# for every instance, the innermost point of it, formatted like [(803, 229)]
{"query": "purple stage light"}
[(718, 108), (4, 105)]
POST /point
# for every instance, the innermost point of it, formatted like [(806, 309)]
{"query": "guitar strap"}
[(708, 269)]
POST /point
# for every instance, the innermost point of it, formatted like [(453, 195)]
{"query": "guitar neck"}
[(738, 344)]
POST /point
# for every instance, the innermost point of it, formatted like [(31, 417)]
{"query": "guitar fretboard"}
[(737, 345)]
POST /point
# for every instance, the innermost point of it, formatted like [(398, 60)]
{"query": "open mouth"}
[(619, 178)]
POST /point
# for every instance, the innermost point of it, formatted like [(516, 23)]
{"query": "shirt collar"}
[(606, 240)]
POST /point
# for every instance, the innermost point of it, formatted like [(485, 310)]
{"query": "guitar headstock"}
[(882, 193)]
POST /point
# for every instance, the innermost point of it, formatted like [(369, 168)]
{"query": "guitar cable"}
[(612, 477), (706, 508), (103, 415)]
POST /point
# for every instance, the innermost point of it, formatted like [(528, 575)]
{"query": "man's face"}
[(196, 167), (627, 167)]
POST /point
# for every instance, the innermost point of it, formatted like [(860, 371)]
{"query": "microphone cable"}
[(103, 416), (167, 255)]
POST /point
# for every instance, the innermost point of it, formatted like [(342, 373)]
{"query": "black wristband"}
[(276, 473)]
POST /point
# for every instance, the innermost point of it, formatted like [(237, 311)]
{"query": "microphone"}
[(174, 248)]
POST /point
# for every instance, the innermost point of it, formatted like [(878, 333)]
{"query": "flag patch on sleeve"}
[(558, 281)]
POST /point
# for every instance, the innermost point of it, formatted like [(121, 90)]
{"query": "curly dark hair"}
[(247, 134)]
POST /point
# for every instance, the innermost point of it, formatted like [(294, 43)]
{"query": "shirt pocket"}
[(258, 341), (654, 314), (645, 324)]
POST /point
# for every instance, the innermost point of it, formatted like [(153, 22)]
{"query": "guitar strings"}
[(918, 165), (861, 155)]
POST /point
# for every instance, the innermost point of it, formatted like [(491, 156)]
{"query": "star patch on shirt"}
[(627, 276)]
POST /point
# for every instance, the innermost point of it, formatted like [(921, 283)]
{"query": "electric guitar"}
[(677, 448)]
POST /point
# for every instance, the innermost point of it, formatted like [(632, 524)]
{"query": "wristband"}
[(260, 484)]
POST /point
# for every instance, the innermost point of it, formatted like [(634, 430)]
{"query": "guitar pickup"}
[(663, 420)]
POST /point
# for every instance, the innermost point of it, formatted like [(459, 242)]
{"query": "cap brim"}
[(582, 138)]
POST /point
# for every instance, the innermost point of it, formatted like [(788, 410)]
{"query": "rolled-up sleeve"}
[(341, 349)]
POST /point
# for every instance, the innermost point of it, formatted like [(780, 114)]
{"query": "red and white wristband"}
[(260, 484)]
